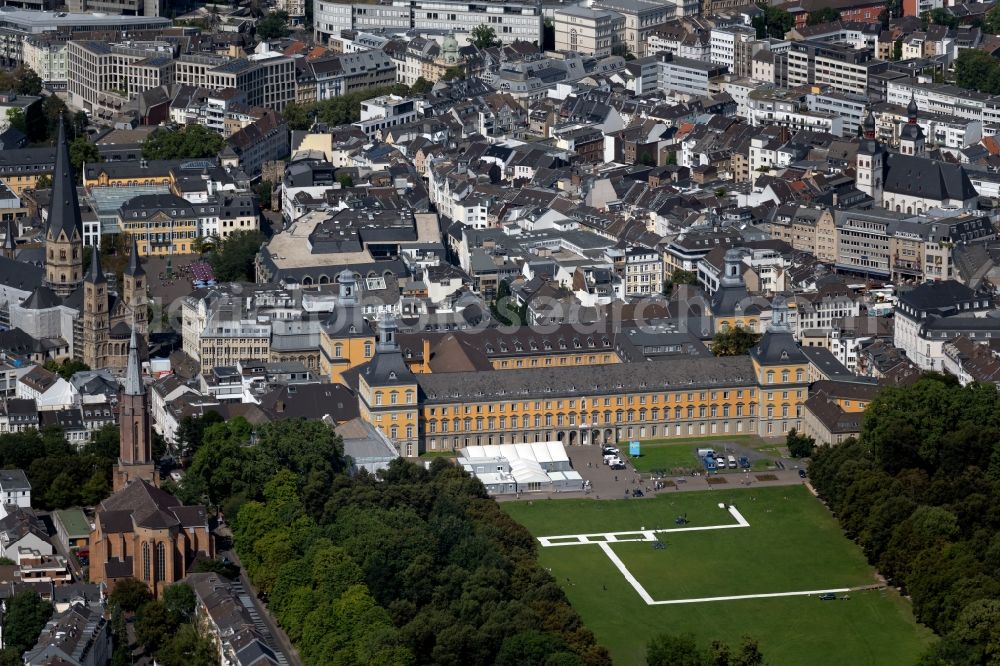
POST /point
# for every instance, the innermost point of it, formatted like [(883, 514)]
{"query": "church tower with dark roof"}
[(911, 135), (135, 453), (870, 162), (135, 297), (64, 236), (95, 313)]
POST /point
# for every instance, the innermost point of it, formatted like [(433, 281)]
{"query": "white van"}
[(732, 462)]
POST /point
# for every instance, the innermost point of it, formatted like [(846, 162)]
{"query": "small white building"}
[(15, 488)]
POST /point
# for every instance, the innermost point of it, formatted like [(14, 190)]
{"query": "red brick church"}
[(141, 531)]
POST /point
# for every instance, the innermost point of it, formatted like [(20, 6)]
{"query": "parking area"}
[(607, 483)]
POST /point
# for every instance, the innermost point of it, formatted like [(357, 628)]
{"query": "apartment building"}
[(682, 75), (850, 108), (900, 246), (843, 68), (785, 108), (382, 113), (944, 99), (344, 73), (46, 56), (266, 78), (732, 46), (296, 10), (103, 77), (642, 19), (598, 32), (513, 20)]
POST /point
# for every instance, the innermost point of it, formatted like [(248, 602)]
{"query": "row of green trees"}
[(414, 567), (920, 493), (61, 475)]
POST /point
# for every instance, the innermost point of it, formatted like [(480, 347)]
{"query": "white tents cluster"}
[(510, 468)]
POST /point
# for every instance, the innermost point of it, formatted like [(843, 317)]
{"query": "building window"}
[(161, 562), (145, 562)]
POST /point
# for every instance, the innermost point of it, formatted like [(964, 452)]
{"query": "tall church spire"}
[(133, 376), (135, 453), (134, 267), (64, 237), (64, 216), (96, 274), (10, 240)]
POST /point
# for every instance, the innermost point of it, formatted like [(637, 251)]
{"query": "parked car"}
[(802, 474), (720, 462), (744, 462)]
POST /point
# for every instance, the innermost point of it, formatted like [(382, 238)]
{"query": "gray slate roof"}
[(671, 375)]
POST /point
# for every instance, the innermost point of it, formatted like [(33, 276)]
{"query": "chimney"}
[(427, 351), (280, 406)]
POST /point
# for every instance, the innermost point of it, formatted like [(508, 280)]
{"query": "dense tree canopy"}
[(484, 37), (417, 566), (735, 341), (938, 16), (60, 475), (775, 22), (22, 79), (67, 368), (191, 141), (340, 110), (920, 492), (165, 629), (273, 26), (82, 151), (683, 650), (824, 15), (977, 70), (233, 259), (26, 615)]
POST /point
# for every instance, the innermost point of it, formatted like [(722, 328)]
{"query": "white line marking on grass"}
[(606, 539), (634, 535), (615, 560), (737, 597)]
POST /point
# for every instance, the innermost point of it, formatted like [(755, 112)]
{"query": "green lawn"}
[(427, 455), (671, 454), (792, 544)]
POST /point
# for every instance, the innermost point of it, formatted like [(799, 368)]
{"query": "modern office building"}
[(513, 20)]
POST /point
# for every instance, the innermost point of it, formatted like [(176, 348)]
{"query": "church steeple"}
[(135, 295), (911, 135), (96, 274), (64, 236), (133, 376), (135, 453), (10, 240)]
